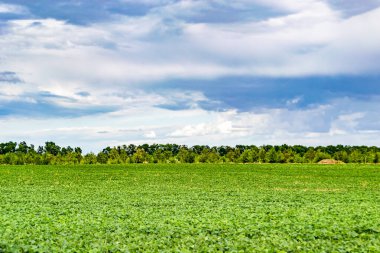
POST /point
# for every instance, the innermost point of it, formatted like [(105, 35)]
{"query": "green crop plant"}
[(190, 208)]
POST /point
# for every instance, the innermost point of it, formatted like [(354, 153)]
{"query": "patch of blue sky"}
[(354, 7), (248, 93), (215, 12), (80, 11), (44, 105), (89, 11), (86, 12), (11, 16)]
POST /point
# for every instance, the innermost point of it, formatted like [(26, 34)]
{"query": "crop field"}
[(190, 208)]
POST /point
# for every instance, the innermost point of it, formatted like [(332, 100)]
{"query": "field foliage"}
[(190, 208)]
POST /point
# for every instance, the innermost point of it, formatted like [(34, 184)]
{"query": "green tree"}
[(249, 156), (280, 157), (376, 157), (23, 147), (309, 155), (162, 156), (288, 155), (298, 158), (233, 155), (52, 148), (262, 154), (90, 158), (10, 159), (319, 156), (114, 157), (271, 156), (208, 156), (341, 156), (355, 156), (140, 156), (8, 147), (102, 158), (213, 156), (186, 156)]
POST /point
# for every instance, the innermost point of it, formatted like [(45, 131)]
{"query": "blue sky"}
[(98, 73)]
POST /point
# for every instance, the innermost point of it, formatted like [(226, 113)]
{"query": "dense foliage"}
[(190, 208), (13, 153)]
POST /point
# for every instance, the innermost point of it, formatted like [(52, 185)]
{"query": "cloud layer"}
[(214, 71)]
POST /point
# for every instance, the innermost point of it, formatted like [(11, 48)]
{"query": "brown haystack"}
[(330, 161)]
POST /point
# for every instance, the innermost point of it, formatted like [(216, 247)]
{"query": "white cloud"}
[(204, 129), (344, 121), (293, 101), (312, 40), (323, 125), (119, 63), (150, 135)]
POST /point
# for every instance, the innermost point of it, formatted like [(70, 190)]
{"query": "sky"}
[(103, 73)]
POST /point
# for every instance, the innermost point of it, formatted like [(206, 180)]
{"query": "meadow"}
[(190, 208)]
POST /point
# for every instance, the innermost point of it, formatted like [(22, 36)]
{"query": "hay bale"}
[(330, 161)]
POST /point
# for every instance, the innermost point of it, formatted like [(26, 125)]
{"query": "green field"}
[(190, 208)]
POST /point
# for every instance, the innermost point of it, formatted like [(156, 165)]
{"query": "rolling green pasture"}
[(190, 208)]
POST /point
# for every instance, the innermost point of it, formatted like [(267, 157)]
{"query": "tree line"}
[(13, 153)]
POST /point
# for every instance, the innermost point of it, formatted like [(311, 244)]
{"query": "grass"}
[(190, 208)]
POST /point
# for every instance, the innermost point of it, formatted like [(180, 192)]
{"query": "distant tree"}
[(298, 159), (131, 149), (341, 156), (40, 150), (320, 155), (162, 156), (10, 158), (262, 155), (249, 156), (203, 157), (50, 153), (271, 156), (31, 158), (23, 147), (208, 156), (213, 156), (376, 158), (102, 158), (114, 157), (123, 156), (8, 147), (90, 158), (78, 154), (145, 147), (47, 159), (309, 155), (186, 156), (140, 156), (52, 148), (233, 155), (222, 150), (280, 157), (300, 150), (355, 156), (288, 155), (199, 149)]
